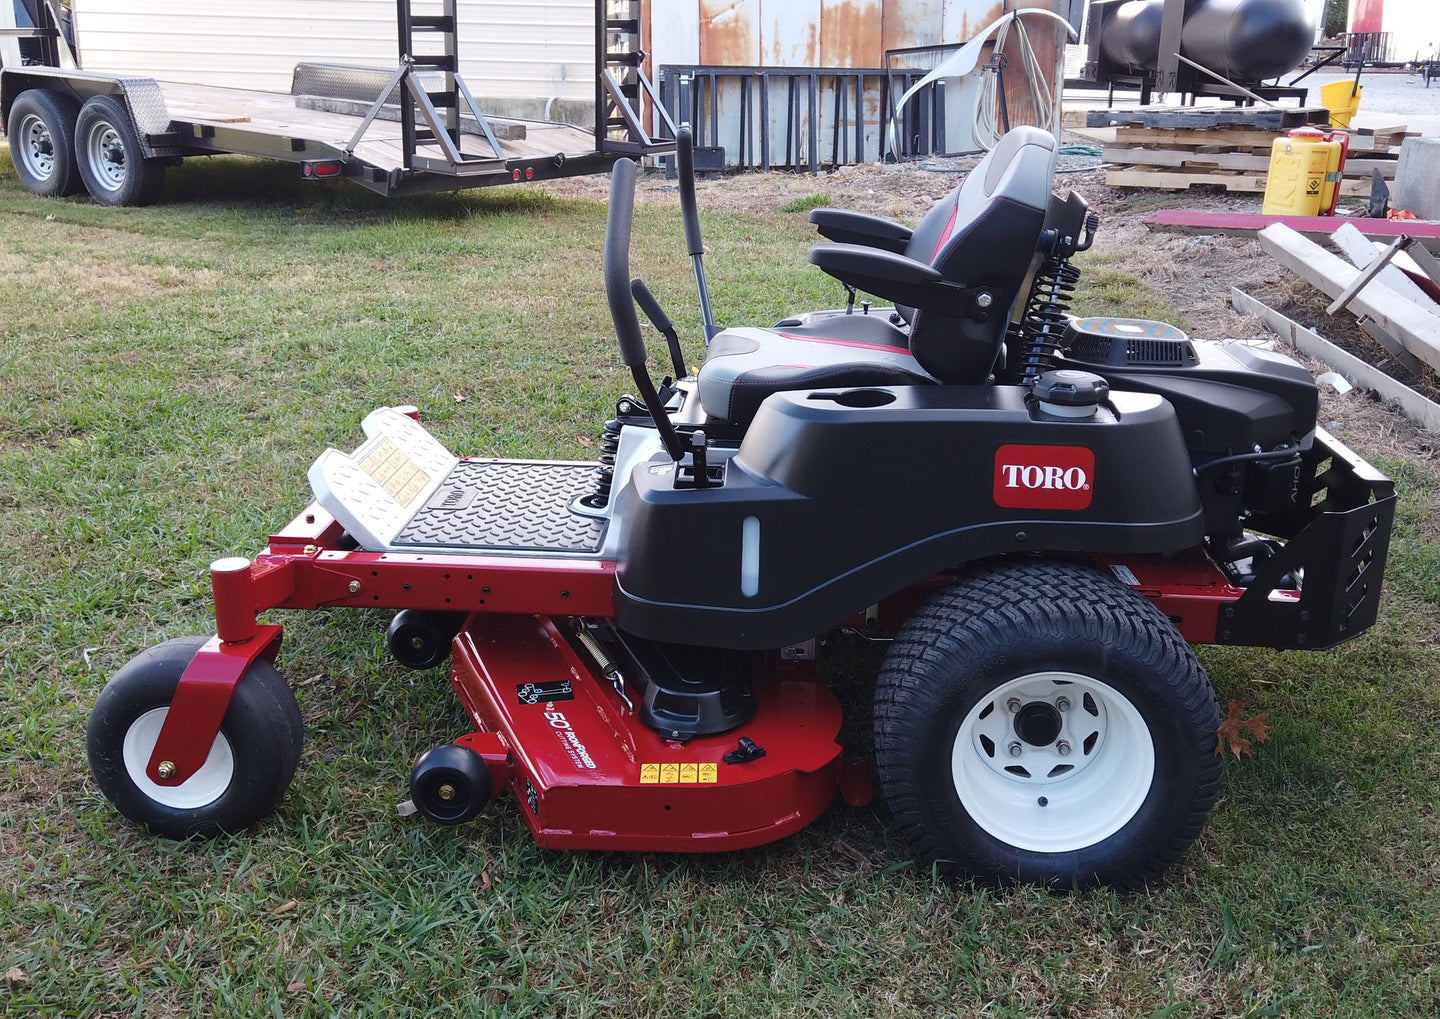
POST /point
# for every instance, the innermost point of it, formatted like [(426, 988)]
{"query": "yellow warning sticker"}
[(394, 472), (689, 773)]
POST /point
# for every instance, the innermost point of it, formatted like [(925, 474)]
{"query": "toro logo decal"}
[(1044, 477)]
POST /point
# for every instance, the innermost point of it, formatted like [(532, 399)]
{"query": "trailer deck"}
[(309, 128)]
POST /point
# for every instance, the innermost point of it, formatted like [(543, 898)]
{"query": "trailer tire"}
[(1040, 722), (42, 142), (111, 161), (251, 762)]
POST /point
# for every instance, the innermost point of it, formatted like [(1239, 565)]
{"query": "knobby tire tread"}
[(977, 612)]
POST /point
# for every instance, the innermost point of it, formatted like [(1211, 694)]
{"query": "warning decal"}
[(689, 773)]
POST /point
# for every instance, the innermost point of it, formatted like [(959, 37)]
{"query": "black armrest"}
[(846, 227), (894, 277)]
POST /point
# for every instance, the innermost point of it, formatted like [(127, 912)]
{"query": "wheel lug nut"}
[(1062, 748), (1063, 704), (166, 769), (447, 792), (1014, 705), (1016, 749)]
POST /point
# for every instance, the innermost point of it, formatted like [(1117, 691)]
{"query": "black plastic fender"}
[(790, 544)]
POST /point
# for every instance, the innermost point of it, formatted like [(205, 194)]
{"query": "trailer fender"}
[(142, 98)]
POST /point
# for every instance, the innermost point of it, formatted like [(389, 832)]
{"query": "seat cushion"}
[(744, 366)]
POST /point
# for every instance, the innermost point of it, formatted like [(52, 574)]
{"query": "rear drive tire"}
[(250, 765), (1040, 722), (112, 164), (42, 142)]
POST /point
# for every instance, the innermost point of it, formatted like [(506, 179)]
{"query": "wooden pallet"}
[(1277, 118), (1236, 158)]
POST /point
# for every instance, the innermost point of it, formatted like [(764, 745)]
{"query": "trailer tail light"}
[(314, 169)]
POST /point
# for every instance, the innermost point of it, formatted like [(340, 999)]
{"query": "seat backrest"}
[(984, 234)]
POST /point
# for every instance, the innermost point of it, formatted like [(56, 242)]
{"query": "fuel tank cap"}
[(1069, 392)]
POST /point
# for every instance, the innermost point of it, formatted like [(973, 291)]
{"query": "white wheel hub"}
[(200, 789), (1053, 762)]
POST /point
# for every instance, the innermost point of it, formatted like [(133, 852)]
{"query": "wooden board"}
[(1132, 156), (1200, 118), (1237, 138), (1418, 330), (1164, 180), (1417, 408), (1245, 224)]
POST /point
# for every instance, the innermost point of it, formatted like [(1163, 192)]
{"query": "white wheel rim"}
[(36, 147), (1055, 795), (202, 788), (107, 156)]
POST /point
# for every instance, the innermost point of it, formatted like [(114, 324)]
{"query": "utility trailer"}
[(414, 127)]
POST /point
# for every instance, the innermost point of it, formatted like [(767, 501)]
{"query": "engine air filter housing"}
[(1127, 342)]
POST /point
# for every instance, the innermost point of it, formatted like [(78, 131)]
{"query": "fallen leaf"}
[(297, 987), (485, 883), (288, 907), (15, 975), (460, 398), (1231, 734)]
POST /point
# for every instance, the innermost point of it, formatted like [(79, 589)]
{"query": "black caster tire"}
[(421, 640), (251, 762), (111, 162), (42, 142), (450, 784), (1040, 722)]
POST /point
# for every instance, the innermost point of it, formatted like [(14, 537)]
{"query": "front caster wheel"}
[(250, 765), (1040, 722), (450, 784)]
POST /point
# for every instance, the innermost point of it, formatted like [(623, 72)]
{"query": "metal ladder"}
[(622, 87), (439, 130)]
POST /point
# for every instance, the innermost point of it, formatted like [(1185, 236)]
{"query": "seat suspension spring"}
[(1043, 326)]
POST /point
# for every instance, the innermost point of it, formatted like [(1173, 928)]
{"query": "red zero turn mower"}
[(1048, 509)]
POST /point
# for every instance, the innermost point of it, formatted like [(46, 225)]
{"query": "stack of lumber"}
[(1228, 146), (1389, 303)]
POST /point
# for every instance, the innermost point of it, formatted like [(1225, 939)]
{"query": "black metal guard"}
[(1336, 543)]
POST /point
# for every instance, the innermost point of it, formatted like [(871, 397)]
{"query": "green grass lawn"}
[(167, 375)]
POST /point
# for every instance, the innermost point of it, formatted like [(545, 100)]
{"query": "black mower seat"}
[(957, 276), (741, 369)]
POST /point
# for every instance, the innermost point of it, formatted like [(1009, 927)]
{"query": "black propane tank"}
[(1247, 40)]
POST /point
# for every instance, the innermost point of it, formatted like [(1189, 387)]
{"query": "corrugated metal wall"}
[(811, 33), (839, 34), (532, 50)]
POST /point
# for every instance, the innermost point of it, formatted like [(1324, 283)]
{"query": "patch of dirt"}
[(1193, 272)]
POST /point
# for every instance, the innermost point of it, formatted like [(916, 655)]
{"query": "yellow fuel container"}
[(1305, 171)]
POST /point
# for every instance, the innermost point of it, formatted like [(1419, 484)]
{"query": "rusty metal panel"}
[(965, 18), (850, 33), (730, 32), (790, 33), (912, 23)]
